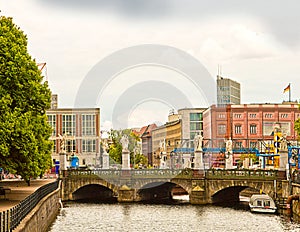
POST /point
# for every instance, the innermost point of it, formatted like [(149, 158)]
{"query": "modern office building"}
[(228, 91), (192, 124), (80, 129)]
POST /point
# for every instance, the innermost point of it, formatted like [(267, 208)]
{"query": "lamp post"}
[(172, 155)]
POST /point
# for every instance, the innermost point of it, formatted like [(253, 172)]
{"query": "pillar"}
[(125, 160), (228, 161), (105, 160), (198, 160), (283, 160), (63, 161)]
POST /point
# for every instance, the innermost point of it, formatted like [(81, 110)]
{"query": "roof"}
[(146, 130)]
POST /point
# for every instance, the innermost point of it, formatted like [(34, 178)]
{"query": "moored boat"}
[(262, 203)]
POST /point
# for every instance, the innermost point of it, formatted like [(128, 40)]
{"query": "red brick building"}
[(247, 124)]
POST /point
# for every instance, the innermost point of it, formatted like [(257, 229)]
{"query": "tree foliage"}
[(297, 126), (25, 148)]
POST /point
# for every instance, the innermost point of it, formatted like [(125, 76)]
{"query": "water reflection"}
[(178, 216)]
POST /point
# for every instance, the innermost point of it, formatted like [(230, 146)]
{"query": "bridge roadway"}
[(203, 187)]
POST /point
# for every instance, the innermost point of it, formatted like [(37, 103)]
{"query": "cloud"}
[(282, 18), (239, 41)]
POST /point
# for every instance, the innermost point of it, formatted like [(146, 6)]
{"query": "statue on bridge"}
[(283, 142), (105, 146), (198, 142), (62, 141), (229, 146), (124, 141)]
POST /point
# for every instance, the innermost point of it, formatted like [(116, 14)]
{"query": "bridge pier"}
[(198, 196), (126, 194)]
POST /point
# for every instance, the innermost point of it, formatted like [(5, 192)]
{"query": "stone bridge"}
[(203, 187)]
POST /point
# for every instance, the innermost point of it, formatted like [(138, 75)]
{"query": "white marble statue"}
[(198, 142), (229, 146), (124, 141), (105, 146), (62, 141), (162, 145), (283, 142)]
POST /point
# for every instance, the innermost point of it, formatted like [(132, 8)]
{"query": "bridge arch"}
[(160, 190), (70, 186), (93, 192), (228, 190)]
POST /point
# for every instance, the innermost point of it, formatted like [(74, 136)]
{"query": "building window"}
[(192, 135), (196, 126), (195, 116), (238, 129), (52, 123), (268, 115), (252, 115), (253, 128), (69, 124), (70, 146), (221, 116), (88, 145), (88, 124), (238, 144), (237, 115), (284, 115), (253, 144), (221, 129)]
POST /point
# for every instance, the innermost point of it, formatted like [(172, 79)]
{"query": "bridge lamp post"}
[(172, 155)]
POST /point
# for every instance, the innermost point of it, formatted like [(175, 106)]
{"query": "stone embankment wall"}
[(296, 203), (43, 215)]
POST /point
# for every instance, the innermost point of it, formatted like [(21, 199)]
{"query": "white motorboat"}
[(262, 203)]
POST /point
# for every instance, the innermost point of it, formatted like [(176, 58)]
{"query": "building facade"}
[(192, 124), (228, 91), (249, 123), (146, 137), (80, 129)]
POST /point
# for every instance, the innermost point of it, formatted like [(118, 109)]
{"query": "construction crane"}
[(42, 66)]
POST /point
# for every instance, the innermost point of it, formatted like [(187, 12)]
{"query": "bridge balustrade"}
[(175, 173), (92, 173), (242, 174), (134, 173)]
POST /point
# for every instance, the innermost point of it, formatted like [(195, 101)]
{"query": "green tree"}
[(297, 126), (25, 148)]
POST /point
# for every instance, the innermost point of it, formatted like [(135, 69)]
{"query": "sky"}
[(256, 43)]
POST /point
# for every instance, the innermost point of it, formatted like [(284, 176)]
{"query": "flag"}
[(286, 89)]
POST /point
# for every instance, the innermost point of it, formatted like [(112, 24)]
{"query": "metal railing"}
[(11, 218)]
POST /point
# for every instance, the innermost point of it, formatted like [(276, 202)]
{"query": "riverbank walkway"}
[(17, 190)]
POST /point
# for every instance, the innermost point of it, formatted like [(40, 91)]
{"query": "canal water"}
[(175, 216)]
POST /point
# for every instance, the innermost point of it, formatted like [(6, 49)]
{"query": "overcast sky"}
[(256, 43)]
